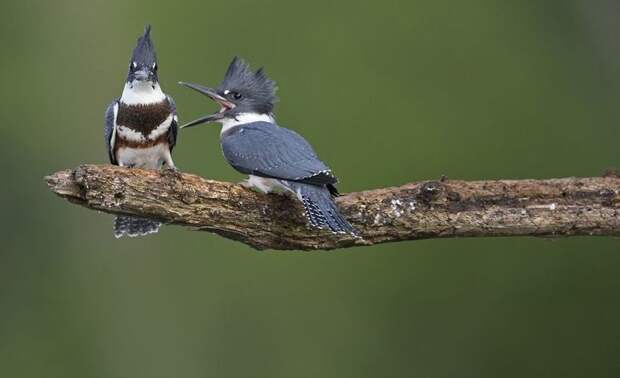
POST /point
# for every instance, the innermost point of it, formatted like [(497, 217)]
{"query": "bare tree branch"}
[(433, 209)]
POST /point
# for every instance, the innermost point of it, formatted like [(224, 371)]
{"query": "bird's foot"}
[(171, 168), (171, 171), (250, 186)]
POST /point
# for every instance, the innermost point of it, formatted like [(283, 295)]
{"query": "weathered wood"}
[(432, 209)]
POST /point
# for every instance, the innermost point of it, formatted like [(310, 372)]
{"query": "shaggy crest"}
[(256, 87), (144, 52)]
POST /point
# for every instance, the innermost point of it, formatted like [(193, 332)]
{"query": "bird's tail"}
[(134, 226), (321, 210)]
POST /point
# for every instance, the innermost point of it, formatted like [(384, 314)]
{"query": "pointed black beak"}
[(212, 94), (210, 118), (142, 75), (206, 91)]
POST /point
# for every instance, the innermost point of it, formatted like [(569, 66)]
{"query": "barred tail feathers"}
[(320, 208), (134, 226)]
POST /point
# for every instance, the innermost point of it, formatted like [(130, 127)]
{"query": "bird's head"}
[(242, 91), (143, 64)]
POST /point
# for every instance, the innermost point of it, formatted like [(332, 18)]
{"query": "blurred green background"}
[(388, 92)]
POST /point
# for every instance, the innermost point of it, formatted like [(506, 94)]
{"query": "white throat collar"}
[(142, 93), (244, 118)]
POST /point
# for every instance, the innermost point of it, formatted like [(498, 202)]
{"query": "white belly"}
[(149, 158), (266, 185)]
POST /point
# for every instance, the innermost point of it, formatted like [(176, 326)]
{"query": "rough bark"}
[(432, 209)]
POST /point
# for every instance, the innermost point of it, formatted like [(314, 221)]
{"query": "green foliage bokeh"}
[(388, 92)]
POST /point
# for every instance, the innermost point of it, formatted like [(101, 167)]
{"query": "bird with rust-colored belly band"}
[(141, 127)]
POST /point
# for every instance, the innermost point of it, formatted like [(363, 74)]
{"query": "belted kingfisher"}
[(141, 127), (275, 158)]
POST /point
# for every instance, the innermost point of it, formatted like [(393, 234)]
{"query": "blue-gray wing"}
[(267, 150), (109, 133), (174, 128)]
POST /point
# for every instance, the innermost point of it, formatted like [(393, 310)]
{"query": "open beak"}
[(223, 102)]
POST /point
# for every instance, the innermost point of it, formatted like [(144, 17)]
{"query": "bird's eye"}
[(154, 66), (133, 65), (236, 95)]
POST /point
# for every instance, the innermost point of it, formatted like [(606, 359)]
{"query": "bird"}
[(275, 158), (141, 127)]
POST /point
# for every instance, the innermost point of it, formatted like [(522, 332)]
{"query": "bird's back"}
[(268, 150)]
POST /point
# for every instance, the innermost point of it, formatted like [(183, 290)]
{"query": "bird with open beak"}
[(275, 158), (141, 126)]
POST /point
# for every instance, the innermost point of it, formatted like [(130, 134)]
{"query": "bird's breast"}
[(143, 123)]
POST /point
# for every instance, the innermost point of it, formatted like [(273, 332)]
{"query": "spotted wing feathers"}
[(110, 130), (173, 131), (267, 150)]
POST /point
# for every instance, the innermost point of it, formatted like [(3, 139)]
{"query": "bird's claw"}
[(246, 184), (171, 171)]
